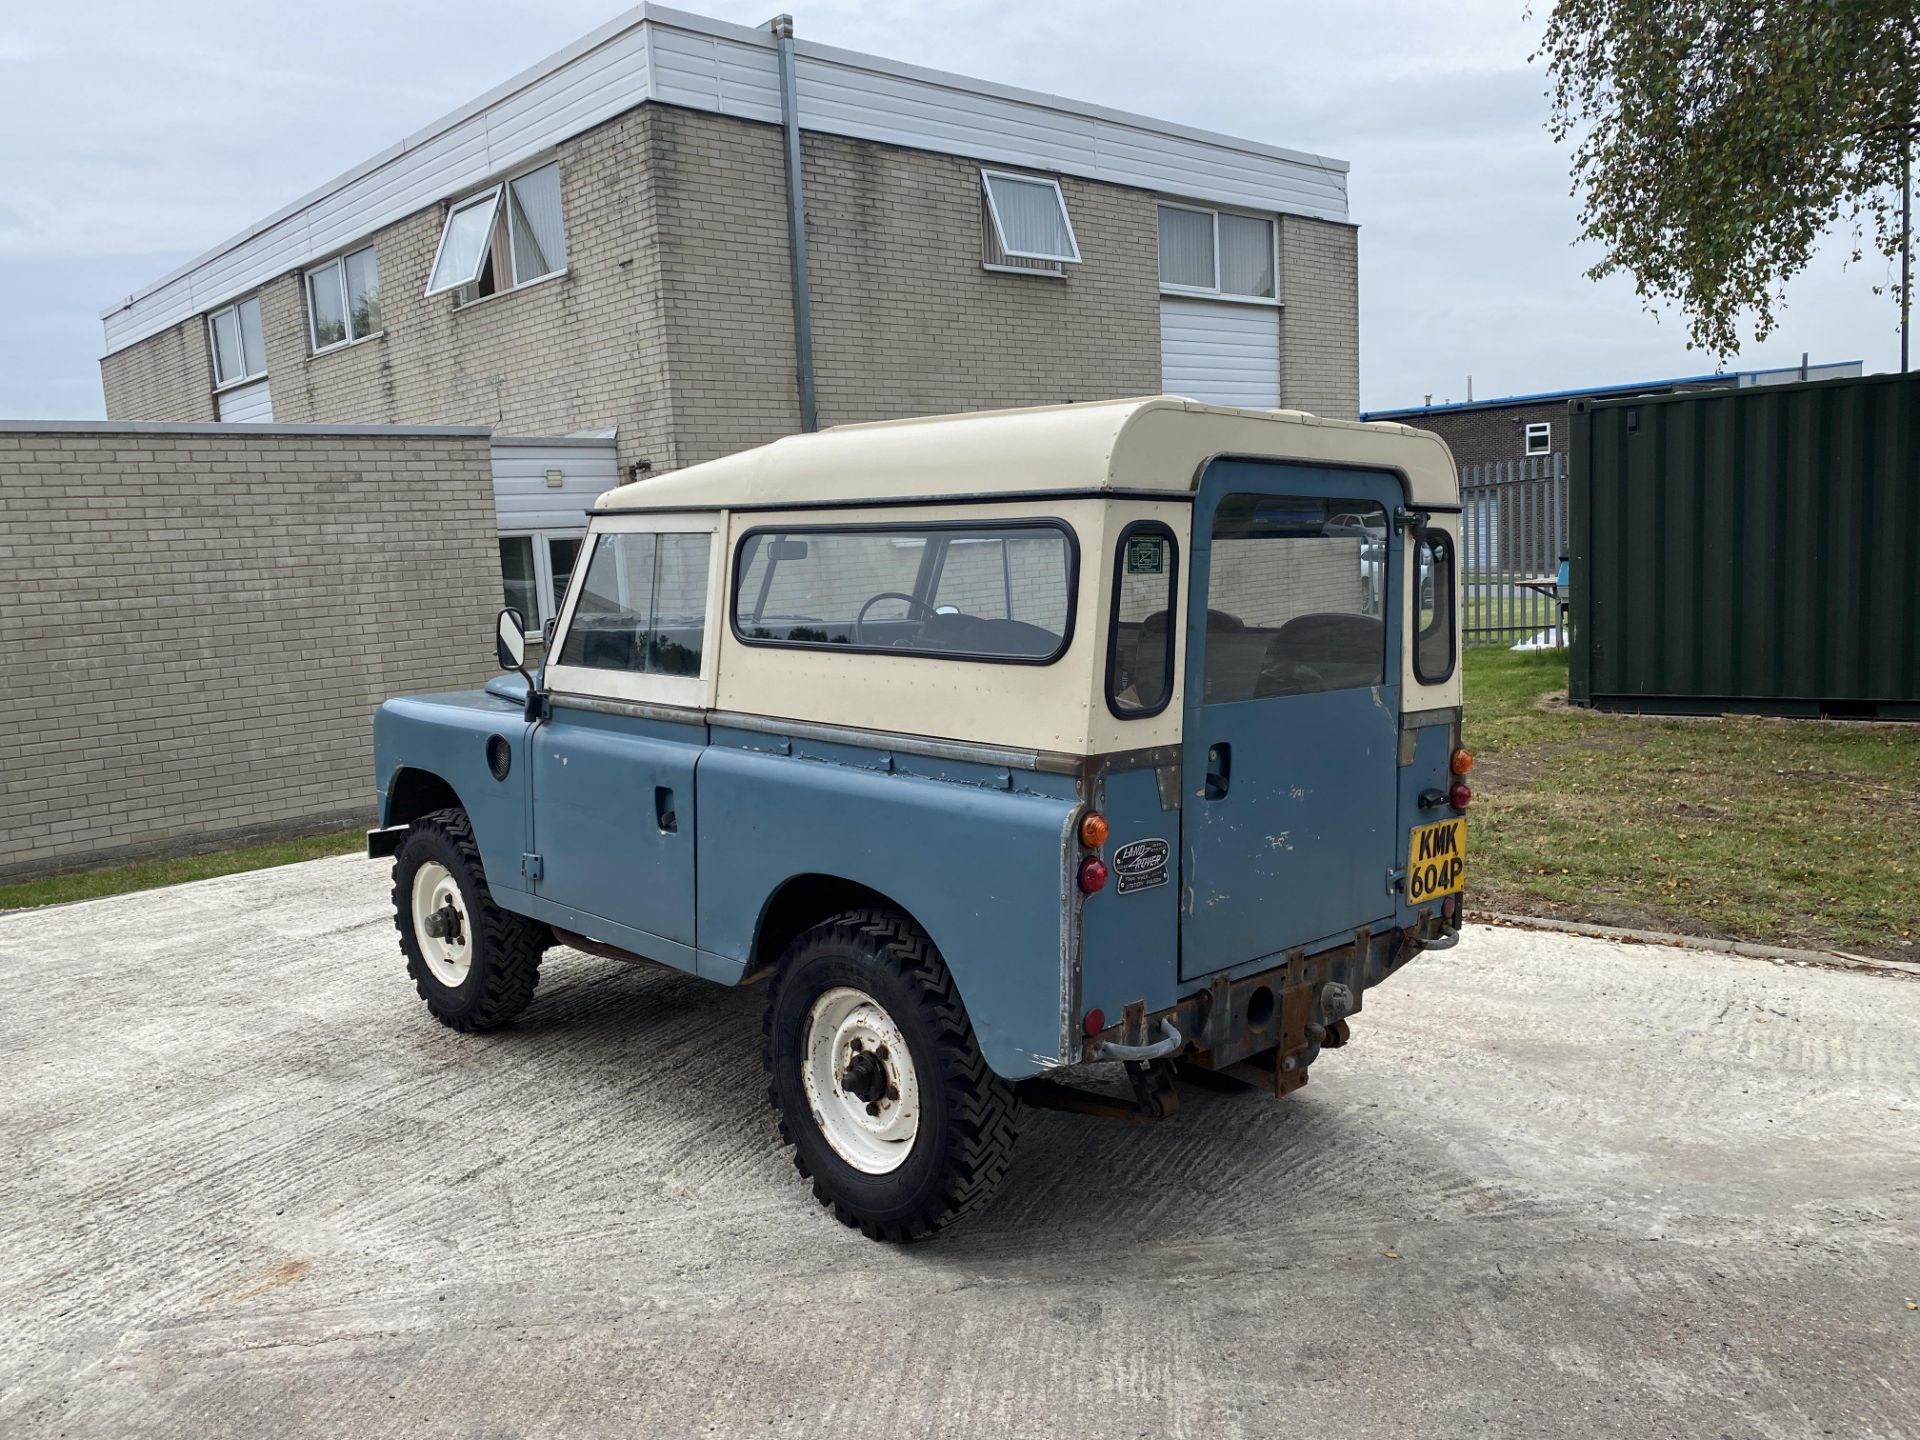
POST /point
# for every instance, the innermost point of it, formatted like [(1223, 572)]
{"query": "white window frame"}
[(500, 217), (549, 607), (232, 382), (1541, 430), (989, 243), (338, 263), (696, 692), (1070, 257), (1214, 212), (491, 199)]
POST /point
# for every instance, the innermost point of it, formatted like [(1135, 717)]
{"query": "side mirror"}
[(510, 639)]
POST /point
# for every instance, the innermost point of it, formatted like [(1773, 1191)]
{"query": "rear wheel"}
[(879, 1082), (475, 964)]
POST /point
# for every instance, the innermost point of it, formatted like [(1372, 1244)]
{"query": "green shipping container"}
[(1752, 550)]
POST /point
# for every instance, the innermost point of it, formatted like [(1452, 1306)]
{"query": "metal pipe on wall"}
[(782, 28)]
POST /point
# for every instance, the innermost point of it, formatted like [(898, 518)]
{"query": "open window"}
[(503, 238), (1027, 219)]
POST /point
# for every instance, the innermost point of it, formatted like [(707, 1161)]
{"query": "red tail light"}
[(1460, 796), (1095, 1022), (1093, 874)]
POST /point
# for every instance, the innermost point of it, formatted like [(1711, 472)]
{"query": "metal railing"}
[(1513, 531)]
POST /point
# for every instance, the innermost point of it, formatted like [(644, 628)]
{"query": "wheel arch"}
[(414, 792), (803, 901)]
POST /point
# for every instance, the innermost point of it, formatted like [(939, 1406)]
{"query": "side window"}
[(1294, 597), (1433, 652), (1140, 637), (981, 592), (239, 349), (643, 605), (343, 300)]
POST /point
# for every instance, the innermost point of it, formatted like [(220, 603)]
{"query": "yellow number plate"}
[(1436, 861)]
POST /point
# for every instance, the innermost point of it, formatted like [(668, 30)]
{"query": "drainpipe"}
[(782, 27)]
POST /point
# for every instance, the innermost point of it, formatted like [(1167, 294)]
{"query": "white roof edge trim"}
[(560, 58), (646, 18)]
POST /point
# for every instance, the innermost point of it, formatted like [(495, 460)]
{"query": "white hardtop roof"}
[(657, 53), (1157, 443)]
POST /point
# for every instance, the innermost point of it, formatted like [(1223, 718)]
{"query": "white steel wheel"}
[(860, 1082), (441, 924)]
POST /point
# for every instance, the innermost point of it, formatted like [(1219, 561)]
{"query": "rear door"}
[(1292, 711)]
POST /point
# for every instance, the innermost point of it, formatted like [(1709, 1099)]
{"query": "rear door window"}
[(1295, 597)]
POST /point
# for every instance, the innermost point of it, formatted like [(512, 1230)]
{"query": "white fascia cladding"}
[(677, 58)]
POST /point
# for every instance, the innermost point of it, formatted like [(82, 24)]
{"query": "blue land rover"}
[(996, 745)]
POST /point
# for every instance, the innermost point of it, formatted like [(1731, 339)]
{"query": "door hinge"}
[(530, 867), (1396, 879)]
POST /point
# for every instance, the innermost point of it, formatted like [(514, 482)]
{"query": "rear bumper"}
[(1270, 1026)]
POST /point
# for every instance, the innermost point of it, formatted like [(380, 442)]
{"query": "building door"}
[(1290, 752)]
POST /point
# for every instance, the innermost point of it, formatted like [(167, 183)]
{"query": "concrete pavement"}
[(1556, 1186)]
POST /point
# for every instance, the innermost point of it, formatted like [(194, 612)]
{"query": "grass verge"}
[(147, 874), (1786, 832)]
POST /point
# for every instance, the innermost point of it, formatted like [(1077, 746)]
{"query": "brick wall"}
[(674, 319), (1495, 433), (204, 619), (168, 376), (1320, 317)]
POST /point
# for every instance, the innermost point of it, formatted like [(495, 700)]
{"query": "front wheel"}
[(474, 964), (879, 1082)]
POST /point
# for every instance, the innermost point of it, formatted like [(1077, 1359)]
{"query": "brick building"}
[(1516, 427), (604, 246)]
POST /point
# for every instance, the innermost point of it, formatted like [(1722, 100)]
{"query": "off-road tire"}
[(506, 947), (967, 1128)]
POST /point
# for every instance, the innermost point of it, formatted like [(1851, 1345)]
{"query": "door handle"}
[(1219, 769), (663, 810)]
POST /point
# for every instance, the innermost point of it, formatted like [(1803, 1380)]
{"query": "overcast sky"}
[(134, 136)]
